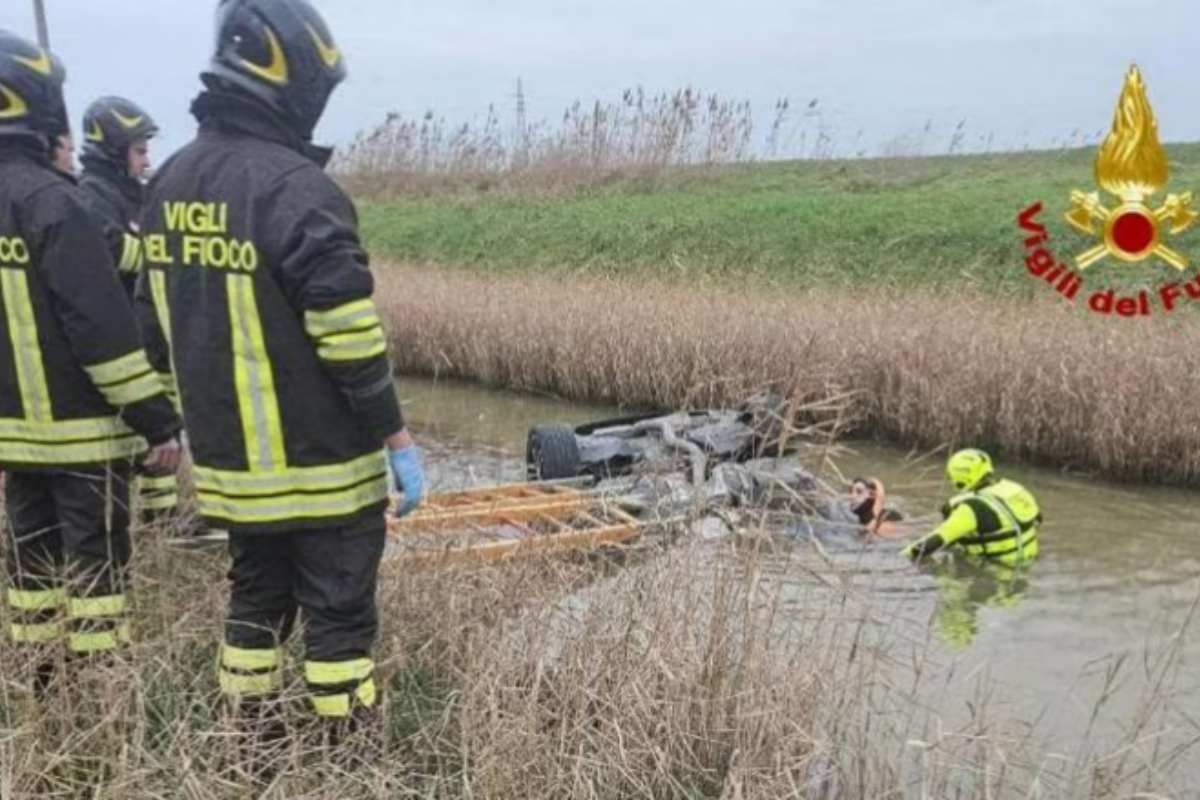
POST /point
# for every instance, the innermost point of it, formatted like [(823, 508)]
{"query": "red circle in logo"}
[(1133, 232)]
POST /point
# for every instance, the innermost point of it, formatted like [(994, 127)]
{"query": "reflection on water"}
[(1119, 569)]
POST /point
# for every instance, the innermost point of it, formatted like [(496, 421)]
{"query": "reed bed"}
[(645, 134), (1036, 381), (694, 672), (641, 135)]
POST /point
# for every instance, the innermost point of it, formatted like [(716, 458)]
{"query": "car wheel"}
[(552, 453)]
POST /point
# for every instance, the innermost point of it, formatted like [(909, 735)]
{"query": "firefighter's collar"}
[(228, 110)]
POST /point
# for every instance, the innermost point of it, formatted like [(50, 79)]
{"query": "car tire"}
[(552, 453)]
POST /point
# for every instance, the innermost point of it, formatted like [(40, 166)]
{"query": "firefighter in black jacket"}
[(76, 388), (263, 294), (116, 157), (116, 135)]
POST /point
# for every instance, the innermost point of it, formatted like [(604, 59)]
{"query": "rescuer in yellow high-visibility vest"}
[(991, 519)]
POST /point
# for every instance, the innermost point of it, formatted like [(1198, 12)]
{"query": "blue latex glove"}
[(410, 477)]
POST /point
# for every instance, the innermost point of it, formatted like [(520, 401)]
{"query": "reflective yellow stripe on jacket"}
[(27, 350), (271, 490), (257, 400), (329, 491), (162, 310), (158, 294), (125, 380), (131, 255), (73, 441), (348, 332)]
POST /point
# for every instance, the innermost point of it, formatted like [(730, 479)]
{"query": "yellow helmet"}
[(966, 469)]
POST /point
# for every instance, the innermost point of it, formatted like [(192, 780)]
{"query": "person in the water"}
[(868, 503), (994, 520)]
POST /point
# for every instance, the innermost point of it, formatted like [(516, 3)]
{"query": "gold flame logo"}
[(1132, 165)]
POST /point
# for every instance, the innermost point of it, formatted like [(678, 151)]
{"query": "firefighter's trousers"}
[(329, 577), (158, 497), (66, 557)]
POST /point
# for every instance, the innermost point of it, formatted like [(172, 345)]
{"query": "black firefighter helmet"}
[(281, 52), (111, 125), (31, 90)]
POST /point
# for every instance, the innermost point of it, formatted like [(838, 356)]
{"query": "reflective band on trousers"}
[(27, 349), (99, 640), (250, 671), (159, 501), (250, 658), (36, 634), (165, 483), (339, 705), (332, 673), (262, 683), (36, 599), (96, 607), (158, 494), (258, 404), (165, 502)]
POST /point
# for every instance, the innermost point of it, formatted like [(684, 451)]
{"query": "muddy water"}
[(1119, 570)]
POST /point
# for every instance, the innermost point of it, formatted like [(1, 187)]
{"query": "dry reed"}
[(642, 134), (1034, 381)]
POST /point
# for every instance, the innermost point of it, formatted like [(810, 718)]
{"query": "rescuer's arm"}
[(325, 275), (960, 523), (95, 315)]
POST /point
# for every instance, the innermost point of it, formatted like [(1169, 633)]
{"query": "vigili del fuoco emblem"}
[(1132, 166)]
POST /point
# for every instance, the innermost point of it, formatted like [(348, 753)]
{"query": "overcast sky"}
[(1024, 71)]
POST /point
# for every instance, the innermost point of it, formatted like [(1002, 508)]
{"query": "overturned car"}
[(695, 440)]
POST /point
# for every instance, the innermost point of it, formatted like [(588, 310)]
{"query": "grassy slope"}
[(908, 221)]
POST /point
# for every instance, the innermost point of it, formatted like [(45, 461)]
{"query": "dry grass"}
[(1034, 381), (687, 673), (641, 135)]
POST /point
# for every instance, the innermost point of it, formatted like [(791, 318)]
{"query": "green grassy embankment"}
[(905, 222)]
